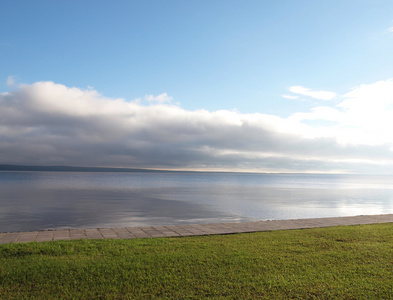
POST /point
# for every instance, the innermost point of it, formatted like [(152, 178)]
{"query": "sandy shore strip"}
[(187, 230)]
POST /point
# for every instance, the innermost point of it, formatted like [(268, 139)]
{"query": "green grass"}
[(352, 262)]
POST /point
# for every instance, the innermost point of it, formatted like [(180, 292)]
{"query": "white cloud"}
[(162, 98), (324, 113), (290, 96), (10, 81), (321, 95), (369, 109), (363, 117), (47, 123)]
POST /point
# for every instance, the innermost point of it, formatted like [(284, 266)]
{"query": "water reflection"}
[(42, 200)]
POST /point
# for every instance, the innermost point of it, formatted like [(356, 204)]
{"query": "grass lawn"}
[(349, 262)]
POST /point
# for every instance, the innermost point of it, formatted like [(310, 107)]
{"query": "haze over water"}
[(53, 200)]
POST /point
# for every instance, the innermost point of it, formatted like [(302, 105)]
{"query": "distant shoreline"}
[(59, 168), (26, 168), (73, 169)]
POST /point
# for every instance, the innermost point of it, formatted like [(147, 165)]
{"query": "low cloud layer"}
[(50, 124)]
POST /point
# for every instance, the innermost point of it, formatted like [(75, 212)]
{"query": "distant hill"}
[(71, 169)]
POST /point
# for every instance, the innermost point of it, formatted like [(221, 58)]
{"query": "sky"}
[(218, 85)]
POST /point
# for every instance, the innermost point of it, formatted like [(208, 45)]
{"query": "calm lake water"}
[(54, 200)]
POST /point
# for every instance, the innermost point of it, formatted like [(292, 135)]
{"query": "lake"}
[(55, 200)]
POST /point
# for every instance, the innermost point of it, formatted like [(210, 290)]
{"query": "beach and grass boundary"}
[(338, 262), (188, 229)]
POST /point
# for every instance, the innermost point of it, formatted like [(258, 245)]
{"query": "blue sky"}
[(288, 68)]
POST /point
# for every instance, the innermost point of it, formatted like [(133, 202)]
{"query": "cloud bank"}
[(50, 124)]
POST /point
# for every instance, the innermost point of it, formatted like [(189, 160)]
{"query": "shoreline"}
[(189, 230)]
